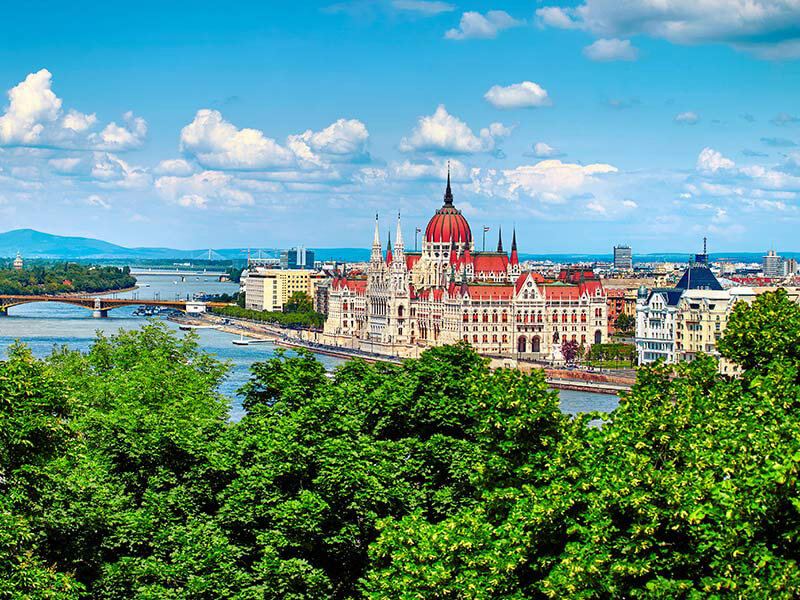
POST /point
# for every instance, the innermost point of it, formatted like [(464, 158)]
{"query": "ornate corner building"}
[(448, 292)]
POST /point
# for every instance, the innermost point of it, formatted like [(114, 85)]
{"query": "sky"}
[(272, 124)]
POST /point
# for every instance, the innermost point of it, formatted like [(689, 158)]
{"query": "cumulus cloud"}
[(174, 166), (425, 7), (518, 95), (545, 150), (443, 133), (604, 50), (218, 144), (110, 171), (711, 161), (475, 25), (548, 181), (34, 118), (767, 28), (201, 189), (687, 118)]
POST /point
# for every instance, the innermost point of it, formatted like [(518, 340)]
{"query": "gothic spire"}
[(514, 257), (389, 249), (376, 241), (448, 193), (500, 239), (398, 244)]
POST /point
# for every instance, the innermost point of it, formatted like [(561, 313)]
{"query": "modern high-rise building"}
[(297, 258), (772, 265), (623, 258)]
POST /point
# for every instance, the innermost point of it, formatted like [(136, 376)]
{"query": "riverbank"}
[(563, 379)]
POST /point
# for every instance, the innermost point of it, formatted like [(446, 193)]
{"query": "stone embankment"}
[(565, 379)]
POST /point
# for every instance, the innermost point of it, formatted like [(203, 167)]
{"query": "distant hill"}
[(36, 244)]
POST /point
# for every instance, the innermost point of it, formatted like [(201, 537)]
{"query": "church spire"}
[(514, 257), (500, 239), (398, 244), (389, 250), (448, 193), (376, 244)]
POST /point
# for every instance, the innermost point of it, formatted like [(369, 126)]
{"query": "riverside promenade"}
[(603, 382)]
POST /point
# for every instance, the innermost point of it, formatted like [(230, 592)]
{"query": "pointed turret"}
[(389, 250), (514, 257), (376, 243), (453, 253), (448, 193), (500, 239), (399, 249)]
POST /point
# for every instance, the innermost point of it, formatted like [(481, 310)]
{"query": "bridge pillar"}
[(99, 313)]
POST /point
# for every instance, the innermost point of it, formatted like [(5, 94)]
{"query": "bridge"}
[(177, 273), (101, 306)]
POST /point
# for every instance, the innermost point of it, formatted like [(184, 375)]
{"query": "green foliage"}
[(295, 320), (611, 352), (626, 323), (299, 302), (121, 477), (64, 277)]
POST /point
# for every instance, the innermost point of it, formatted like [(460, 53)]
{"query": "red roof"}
[(359, 286), (491, 292), (448, 225), (490, 262), (411, 260)]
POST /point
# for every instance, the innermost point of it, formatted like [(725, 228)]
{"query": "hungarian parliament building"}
[(448, 292)]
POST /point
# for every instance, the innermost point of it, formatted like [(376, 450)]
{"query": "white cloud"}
[(200, 189), (345, 139), (767, 28), (548, 181), (434, 170), (544, 150), (605, 50), (95, 200), (475, 25), (174, 166), (518, 95), (34, 118), (629, 204), (110, 171), (425, 7), (217, 144), (687, 118), (443, 133), (711, 161)]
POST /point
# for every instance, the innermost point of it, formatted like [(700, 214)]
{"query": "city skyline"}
[(582, 125)]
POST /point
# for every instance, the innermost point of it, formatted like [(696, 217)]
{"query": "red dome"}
[(448, 224)]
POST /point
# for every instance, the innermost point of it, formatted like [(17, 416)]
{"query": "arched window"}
[(400, 311), (521, 344), (535, 344), (598, 336), (583, 317)]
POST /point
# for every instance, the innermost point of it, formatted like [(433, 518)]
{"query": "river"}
[(43, 326)]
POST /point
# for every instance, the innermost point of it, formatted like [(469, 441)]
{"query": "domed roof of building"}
[(448, 225)]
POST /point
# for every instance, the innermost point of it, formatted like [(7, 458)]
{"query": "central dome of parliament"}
[(448, 225)]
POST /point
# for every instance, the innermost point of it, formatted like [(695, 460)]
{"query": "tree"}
[(299, 302), (569, 350), (625, 323)]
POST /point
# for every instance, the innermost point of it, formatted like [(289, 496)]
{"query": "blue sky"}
[(200, 124)]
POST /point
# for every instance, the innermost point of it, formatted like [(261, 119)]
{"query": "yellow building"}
[(702, 316), (270, 289)]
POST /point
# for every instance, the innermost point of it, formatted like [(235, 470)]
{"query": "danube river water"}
[(43, 326)]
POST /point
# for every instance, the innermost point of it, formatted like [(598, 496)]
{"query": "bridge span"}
[(101, 306)]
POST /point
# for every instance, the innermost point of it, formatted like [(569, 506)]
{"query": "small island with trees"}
[(63, 278)]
